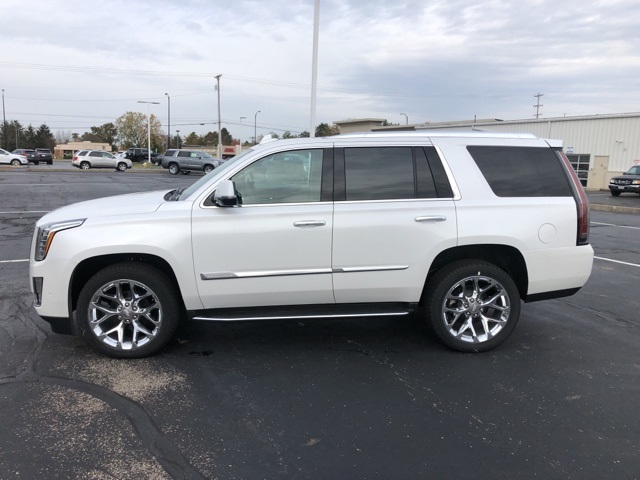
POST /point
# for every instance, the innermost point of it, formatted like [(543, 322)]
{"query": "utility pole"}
[(537, 105), (255, 128), (240, 136), (219, 124)]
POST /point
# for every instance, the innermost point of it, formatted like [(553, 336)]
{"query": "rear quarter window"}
[(522, 171)]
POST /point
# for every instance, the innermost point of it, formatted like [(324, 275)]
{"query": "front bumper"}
[(624, 188)]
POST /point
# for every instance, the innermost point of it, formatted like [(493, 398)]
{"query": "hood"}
[(130, 204)]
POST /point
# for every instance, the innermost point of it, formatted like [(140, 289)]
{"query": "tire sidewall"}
[(445, 279), (150, 276), (174, 169)]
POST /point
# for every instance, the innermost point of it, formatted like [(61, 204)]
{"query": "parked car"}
[(12, 158), (44, 155), (137, 154), (27, 153), (449, 227), (628, 182), (86, 159), (187, 161)]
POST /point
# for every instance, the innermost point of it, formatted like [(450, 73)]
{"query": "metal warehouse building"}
[(599, 146)]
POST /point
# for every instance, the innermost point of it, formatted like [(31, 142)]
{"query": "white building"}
[(599, 146)]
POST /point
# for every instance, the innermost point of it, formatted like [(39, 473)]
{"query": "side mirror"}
[(225, 194)]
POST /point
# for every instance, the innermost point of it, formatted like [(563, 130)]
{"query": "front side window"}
[(284, 177)]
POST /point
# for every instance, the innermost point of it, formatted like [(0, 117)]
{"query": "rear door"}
[(394, 212)]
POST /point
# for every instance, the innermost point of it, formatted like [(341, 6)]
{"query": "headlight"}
[(635, 182), (47, 232)]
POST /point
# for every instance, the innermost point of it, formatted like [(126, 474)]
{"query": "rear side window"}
[(392, 173), (169, 153), (184, 154), (521, 171)]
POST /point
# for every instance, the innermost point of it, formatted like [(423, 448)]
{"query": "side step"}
[(299, 312)]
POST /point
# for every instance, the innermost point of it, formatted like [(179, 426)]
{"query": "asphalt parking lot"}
[(359, 399)]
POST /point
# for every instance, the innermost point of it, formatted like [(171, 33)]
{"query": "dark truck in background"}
[(44, 155), (137, 154)]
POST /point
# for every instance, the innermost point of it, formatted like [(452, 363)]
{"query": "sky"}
[(74, 64)]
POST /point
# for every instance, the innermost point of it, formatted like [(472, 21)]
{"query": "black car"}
[(44, 155), (137, 154), (27, 153), (628, 182)]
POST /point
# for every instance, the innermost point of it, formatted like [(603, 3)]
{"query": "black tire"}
[(145, 306), (121, 167), (174, 169), (15, 162), (50, 162), (615, 193), (208, 169), (35, 162), (185, 172), (458, 319), (85, 165)]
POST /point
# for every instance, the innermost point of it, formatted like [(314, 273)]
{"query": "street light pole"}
[(168, 121), (219, 122), (314, 67), (4, 122), (240, 136), (405, 116), (178, 133), (149, 126), (255, 128)]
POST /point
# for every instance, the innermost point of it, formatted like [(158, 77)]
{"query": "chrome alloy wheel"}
[(476, 309), (125, 314)]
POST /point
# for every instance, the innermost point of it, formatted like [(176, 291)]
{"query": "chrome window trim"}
[(450, 177)]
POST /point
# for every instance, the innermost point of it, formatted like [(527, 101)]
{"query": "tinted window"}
[(285, 177), (169, 153), (81, 153), (426, 186), (522, 171), (379, 173), (95, 154), (184, 153)]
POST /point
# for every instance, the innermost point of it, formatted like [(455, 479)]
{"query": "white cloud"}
[(80, 63)]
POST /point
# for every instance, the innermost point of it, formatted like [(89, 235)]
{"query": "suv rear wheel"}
[(128, 310), (472, 305), (174, 169)]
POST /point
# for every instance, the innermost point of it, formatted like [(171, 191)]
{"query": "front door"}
[(274, 248)]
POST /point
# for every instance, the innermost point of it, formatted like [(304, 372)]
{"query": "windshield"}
[(634, 170), (205, 179)]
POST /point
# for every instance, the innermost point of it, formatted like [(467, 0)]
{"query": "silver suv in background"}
[(187, 161), (86, 159)]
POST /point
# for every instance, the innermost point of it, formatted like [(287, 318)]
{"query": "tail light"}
[(75, 157), (582, 202)]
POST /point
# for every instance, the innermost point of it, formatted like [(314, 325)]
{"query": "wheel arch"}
[(90, 266), (506, 257)]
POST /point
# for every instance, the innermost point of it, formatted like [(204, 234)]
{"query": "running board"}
[(304, 312)]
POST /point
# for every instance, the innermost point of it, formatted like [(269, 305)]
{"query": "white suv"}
[(361, 225)]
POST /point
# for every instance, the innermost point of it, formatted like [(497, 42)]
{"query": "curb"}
[(598, 207)]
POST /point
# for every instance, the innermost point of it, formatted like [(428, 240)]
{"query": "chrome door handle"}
[(431, 218), (310, 223)]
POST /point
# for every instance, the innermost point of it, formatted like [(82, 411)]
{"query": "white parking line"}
[(617, 261), (21, 260), (612, 225)]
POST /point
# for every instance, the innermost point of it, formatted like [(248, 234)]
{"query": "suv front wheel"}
[(472, 305), (128, 310)]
